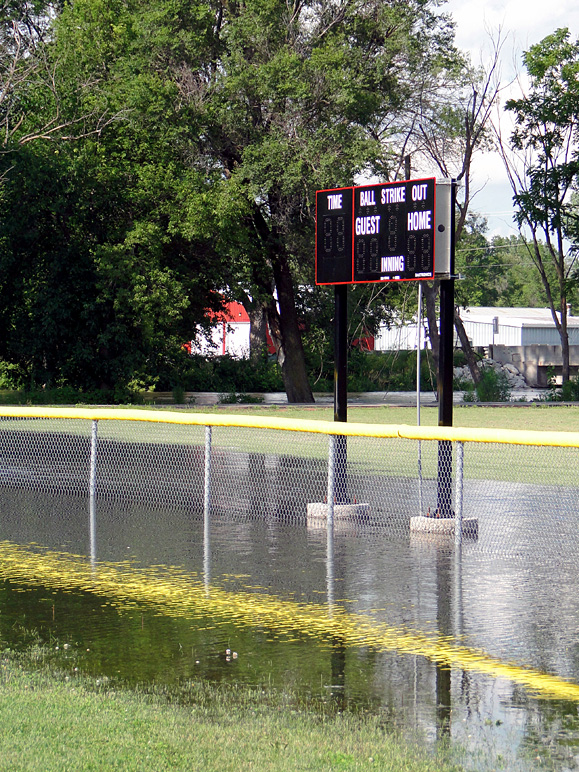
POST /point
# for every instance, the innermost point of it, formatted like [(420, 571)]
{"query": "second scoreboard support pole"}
[(445, 376)]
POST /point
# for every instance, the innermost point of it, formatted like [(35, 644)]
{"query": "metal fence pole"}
[(207, 483), (92, 489), (330, 566), (331, 481), (458, 493), (207, 511)]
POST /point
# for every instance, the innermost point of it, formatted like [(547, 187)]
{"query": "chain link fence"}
[(498, 497)]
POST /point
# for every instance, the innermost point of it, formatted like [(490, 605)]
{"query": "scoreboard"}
[(376, 233)]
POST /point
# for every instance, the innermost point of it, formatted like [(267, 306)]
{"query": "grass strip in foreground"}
[(52, 725), (185, 596)]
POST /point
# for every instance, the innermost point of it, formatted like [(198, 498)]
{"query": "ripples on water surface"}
[(253, 605)]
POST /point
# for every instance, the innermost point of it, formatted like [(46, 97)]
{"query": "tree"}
[(482, 272), (272, 99), (101, 276), (34, 102), (232, 115), (303, 98), (95, 285), (543, 166), (519, 283), (450, 136)]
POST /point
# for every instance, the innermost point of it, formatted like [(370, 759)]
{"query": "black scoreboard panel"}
[(334, 236), (394, 231), (376, 233)]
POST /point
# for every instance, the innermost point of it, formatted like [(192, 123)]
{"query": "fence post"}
[(207, 480), (92, 489), (207, 510), (330, 578), (458, 493), (331, 481)]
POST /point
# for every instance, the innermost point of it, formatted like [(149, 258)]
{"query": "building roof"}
[(234, 313)]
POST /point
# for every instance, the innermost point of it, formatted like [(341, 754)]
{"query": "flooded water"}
[(477, 648)]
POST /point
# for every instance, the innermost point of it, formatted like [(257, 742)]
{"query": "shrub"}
[(493, 386), (66, 395), (389, 371), (226, 374), (569, 391), (11, 376), (235, 398)]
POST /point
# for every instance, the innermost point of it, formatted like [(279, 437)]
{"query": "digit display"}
[(394, 231), (334, 236), (376, 233)]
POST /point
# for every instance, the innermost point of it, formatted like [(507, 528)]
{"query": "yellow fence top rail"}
[(453, 434)]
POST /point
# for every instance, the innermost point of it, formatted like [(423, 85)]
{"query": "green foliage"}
[(544, 137), (67, 395), (480, 269), (367, 371), (202, 133), (568, 392), (502, 271), (520, 284), (389, 371), (11, 377), (226, 374), (96, 289), (493, 387)]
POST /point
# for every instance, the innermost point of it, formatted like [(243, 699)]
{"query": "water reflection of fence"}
[(520, 488)]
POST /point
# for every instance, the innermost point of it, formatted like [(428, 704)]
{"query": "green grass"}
[(536, 416), (49, 723)]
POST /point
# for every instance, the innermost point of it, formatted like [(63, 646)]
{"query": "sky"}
[(522, 23)]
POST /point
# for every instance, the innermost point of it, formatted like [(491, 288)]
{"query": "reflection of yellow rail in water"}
[(184, 595)]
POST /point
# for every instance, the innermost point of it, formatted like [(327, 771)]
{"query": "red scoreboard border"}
[(354, 188)]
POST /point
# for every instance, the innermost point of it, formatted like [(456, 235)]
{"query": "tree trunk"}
[(289, 347), (564, 335), (467, 348), (283, 326), (560, 319), (257, 331)]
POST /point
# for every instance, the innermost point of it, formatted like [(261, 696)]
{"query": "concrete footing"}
[(351, 513), (444, 526)]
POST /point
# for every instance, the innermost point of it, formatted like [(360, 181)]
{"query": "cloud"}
[(522, 24), (525, 21)]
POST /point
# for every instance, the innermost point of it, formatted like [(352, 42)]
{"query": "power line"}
[(491, 247), (463, 268)]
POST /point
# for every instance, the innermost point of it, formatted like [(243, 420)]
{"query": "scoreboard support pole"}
[(445, 376), (341, 388)]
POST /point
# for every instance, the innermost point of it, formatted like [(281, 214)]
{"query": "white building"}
[(487, 326), (523, 337), (400, 336), (229, 334)]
